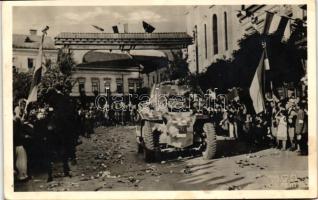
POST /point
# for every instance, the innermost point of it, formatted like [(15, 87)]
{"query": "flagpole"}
[(38, 66), (264, 70)]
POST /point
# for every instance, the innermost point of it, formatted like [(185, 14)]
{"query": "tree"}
[(179, 67), (218, 75), (192, 80), (58, 75), (21, 85)]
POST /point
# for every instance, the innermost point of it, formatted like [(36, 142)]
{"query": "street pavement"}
[(108, 161)]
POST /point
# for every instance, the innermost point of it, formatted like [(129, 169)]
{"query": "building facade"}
[(217, 29), (25, 50), (105, 74), (117, 74)]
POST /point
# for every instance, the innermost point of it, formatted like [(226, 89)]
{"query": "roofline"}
[(18, 47), (111, 68)]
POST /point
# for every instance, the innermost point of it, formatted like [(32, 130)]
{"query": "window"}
[(107, 84), (30, 63), (225, 31), (205, 42), (95, 86), (119, 84), (215, 35), (131, 87), (81, 86)]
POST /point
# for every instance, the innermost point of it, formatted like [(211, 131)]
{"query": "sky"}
[(81, 18)]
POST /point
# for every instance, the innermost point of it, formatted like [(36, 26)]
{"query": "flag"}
[(282, 27), (268, 21), (115, 29), (276, 24), (256, 88), (98, 28), (148, 28), (37, 75), (287, 31)]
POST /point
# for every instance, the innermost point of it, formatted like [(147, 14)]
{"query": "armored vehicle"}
[(168, 121)]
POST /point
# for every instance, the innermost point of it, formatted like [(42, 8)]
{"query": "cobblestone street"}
[(109, 161)]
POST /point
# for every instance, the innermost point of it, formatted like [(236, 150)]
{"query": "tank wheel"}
[(149, 143), (209, 140)]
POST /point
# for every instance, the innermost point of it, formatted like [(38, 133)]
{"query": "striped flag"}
[(256, 88), (267, 23), (275, 23), (37, 75)]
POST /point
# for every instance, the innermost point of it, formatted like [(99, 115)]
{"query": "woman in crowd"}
[(282, 127), (20, 155)]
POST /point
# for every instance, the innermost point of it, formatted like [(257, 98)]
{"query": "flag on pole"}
[(287, 31), (115, 29), (37, 75), (282, 27), (256, 88), (148, 28), (98, 28), (268, 21), (275, 23)]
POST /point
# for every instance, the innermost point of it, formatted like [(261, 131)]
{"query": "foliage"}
[(284, 59), (65, 62), (218, 75), (179, 67), (21, 85), (192, 80), (56, 76)]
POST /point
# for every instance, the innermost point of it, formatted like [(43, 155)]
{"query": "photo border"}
[(264, 194)]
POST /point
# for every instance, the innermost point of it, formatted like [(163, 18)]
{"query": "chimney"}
[(33, 31), (125, 28)]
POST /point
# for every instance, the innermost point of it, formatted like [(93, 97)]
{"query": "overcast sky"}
[(81, 18)]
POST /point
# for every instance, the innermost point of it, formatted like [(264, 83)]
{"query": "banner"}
[(256, 88)]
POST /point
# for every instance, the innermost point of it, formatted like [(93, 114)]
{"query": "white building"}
[(118, 74), (216, 29), (26, 47)]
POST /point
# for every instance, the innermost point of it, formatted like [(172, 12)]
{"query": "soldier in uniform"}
[(65, 129)]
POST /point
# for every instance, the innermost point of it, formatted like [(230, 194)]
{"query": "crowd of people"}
[(283, 124), (53, 128)]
